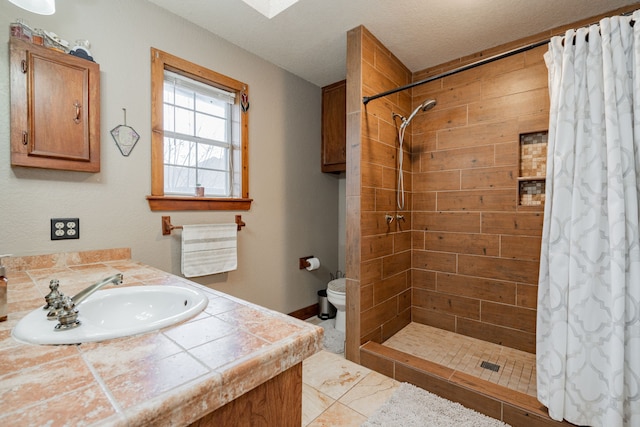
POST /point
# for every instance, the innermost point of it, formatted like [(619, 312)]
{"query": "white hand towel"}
[(209, 249)]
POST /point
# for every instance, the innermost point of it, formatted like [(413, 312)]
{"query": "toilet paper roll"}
[(314, 264)]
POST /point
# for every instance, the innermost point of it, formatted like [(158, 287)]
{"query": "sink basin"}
[(115, 313)]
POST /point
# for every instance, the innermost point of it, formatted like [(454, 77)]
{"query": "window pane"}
[(184, 98), (179, 180), (237, 172), (214, 183), (235, 133), (168, 93), (211, 127), (179, 152), (209, 105), (168, 118), (213, 157), (199, 145), (184, 121)]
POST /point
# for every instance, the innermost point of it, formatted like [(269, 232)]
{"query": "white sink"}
[(115, 313)]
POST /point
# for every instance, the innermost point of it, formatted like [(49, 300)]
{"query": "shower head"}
[(425, 106), (428, 104)]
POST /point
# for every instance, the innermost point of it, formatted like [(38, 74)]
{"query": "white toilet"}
[(337, 295)]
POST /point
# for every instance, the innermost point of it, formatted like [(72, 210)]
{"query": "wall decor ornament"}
[(244, 101), (125, 136)]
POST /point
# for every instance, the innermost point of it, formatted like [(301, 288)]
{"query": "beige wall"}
[(295, 208)]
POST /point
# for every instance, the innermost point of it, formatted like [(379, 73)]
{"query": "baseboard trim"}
[(306, 312)]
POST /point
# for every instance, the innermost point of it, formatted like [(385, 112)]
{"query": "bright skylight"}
[(270, 8)]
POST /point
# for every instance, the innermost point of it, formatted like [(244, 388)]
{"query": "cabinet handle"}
[(25, 138), (78, 106), (24, 66)]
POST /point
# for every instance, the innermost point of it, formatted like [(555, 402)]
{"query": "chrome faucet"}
[(65, 310), (116, 279)]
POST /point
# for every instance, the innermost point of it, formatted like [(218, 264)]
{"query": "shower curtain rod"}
[(503, 55), (366, 99)]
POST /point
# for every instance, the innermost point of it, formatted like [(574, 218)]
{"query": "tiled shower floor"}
[(465, 354)]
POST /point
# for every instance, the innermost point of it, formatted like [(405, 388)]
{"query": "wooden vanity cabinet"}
[(55, 109), (334, 127)]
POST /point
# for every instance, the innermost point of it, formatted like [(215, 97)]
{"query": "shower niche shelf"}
[(532, 164)]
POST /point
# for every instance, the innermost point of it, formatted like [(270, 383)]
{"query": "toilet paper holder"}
[(304, 263)]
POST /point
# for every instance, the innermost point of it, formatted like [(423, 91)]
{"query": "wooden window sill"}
[(184, 203)]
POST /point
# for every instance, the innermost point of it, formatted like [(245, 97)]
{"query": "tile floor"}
[(465, 354), (337, 392), (340, 393)]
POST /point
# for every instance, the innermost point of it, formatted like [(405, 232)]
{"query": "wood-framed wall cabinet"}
[(334, 127), (55, 109)]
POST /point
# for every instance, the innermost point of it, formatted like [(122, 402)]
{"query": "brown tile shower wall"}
[(385, 249), (473, 260), (475, 254)]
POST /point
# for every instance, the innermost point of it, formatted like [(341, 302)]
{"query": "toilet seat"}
[(338, 286)]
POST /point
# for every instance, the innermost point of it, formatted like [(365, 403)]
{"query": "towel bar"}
[(167, 227)]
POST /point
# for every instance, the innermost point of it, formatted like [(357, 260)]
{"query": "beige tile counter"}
[(174, 376)]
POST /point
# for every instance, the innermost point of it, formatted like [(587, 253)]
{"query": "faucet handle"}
[(68, 316), (54, 300), (53, 296)]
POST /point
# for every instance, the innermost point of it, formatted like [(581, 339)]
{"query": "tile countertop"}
[(169, 377)]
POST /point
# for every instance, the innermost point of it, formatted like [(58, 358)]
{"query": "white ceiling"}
[(309, 38)]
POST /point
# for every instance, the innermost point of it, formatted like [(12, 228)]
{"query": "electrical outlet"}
[(65, 228)]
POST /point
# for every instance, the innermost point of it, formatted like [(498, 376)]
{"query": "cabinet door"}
[(54, 109), (334, 127)]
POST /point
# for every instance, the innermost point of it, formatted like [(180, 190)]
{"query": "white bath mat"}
[(411, 406), (333, 339)]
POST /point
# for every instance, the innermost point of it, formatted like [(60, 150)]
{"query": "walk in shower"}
[(444, 294)]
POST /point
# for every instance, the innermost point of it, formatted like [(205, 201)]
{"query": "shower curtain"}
[(588, 325)]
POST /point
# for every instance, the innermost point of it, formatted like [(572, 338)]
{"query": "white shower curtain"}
[(588, 325)]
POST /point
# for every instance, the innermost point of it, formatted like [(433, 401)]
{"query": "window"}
[(199, 137)]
